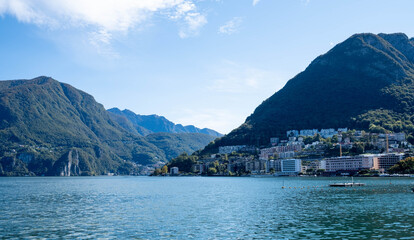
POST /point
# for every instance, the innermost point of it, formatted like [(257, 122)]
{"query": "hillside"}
[(52, 128), (48, 127), (365, 82), (147, 124), (174, 144)]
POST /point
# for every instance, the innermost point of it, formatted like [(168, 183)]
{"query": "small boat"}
[(346, 184), (351, 184)]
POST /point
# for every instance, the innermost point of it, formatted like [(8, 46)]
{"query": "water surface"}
[(205, 208)]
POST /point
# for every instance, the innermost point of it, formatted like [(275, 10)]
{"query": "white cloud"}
[(103, 15), (231, 26), (101, 41), (255, 2), (193, 22)]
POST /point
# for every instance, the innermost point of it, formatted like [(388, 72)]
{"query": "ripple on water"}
[(203, 208)]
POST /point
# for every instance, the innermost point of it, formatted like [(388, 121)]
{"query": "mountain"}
[(52, 128), (174, 144), (365, 82), (147, 124)]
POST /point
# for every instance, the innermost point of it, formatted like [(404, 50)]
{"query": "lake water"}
[(205, 208)]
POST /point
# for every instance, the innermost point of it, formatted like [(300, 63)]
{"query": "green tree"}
[(405, 166), (184, 162), (157, 172), (211, 171)]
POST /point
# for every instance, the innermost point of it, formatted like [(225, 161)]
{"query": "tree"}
[(405, 166), (317, 138), (358, 148), (157, 172), (164, 169), (211, 171), (410, 139), (184, 162)]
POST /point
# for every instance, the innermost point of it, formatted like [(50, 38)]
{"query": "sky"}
[(207, 63)]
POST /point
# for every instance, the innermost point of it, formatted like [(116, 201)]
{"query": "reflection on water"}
[(207, 208)]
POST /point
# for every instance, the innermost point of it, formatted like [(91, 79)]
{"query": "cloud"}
[(255, 2), (101, 41), (103, 15), (194, 21), (231, 26)]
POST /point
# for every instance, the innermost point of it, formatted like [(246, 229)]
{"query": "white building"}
[(174, 171), (349, 163), (291, 165), (308, 132), (368, 161), (322, 164), (292, 133)]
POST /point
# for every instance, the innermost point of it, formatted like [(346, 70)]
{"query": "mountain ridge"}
[(51, 128), (364, 82), (147, 124)]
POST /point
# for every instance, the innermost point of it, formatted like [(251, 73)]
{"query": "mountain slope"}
[(174, 144), (146, 124), (46, 121), (365, 82)]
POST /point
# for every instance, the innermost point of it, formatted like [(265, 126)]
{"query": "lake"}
[(205, 208)]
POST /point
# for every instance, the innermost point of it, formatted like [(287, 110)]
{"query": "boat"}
[(349, 184), (346, 184)]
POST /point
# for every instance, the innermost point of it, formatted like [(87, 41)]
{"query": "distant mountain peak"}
[(158, 124)]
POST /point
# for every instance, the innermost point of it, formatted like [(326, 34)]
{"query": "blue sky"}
[(209, 63)]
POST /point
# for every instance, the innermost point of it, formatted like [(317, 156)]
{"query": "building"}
[(274, 141), (325, 133), (198, 168), (275, 165), (349, 163), (238, 163), (400, 137), (230, 149), (342, 130), (308, 132), (322, 164), (174, 171), (383, 162), (292, 133), (256, 167), (278, 151), (293, 166)]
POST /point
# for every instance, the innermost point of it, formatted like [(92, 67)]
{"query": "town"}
[(325, 152)]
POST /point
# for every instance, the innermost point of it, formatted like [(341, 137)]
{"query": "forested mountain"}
[(174, 144), (365, 82), (147, 124), (52, 128)]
